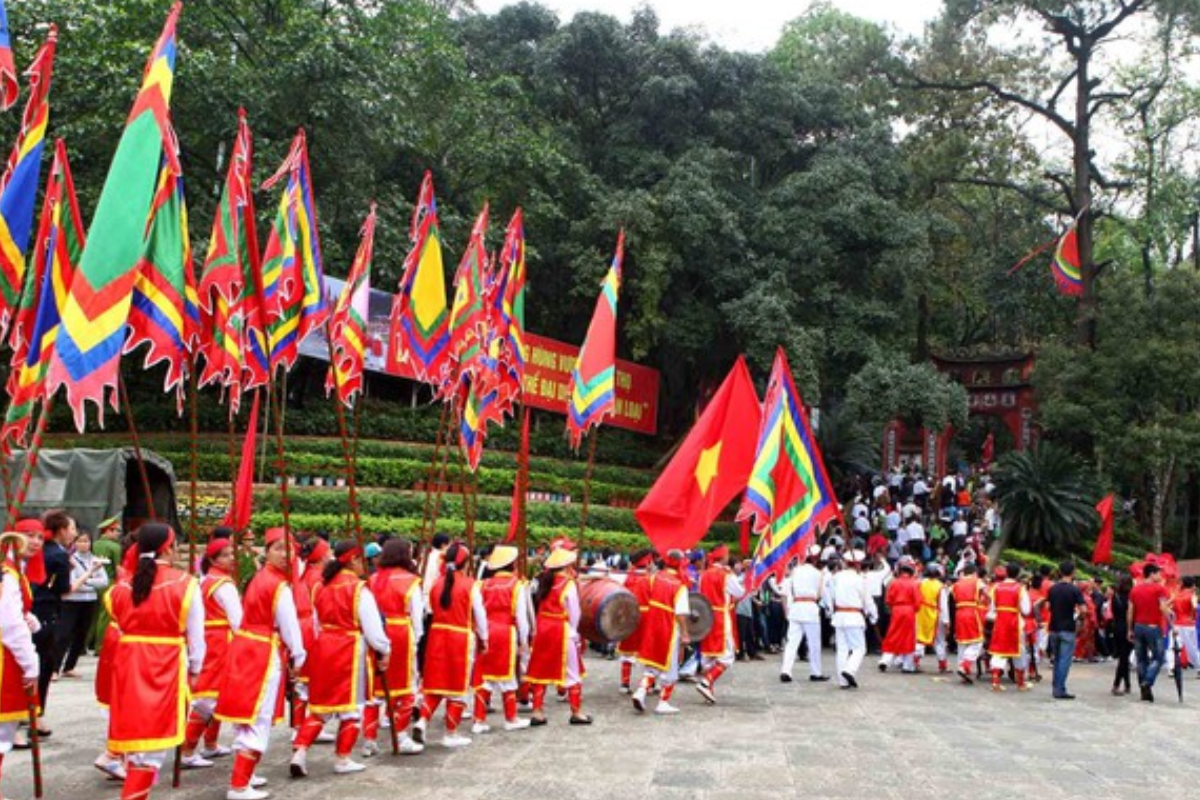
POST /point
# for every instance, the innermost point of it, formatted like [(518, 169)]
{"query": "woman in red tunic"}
[(459, 627), (555, 657), (1010, 606), (250, 695), (315, 554), (222, 617), (161, 619), (18, 659), (348, 625), (397, 591), (636, 583), (903, 597), (506, 600), (967, 593)]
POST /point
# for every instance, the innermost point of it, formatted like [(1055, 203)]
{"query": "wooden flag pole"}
[(587, 481), (432, 471), (31, 457), (137, 446), (194, 455), (279, 399), (343, 431)]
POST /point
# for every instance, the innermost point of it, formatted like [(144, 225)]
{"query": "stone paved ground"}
[(897, 737)]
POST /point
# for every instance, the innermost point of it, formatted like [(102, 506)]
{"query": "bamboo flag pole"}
[(31, 457), (137, 446), (343, 430), (432, 471), (194, 455), (587, 480), (279, 401)]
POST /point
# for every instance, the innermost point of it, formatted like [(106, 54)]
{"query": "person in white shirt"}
[(915, 539), (802, 592), (17, 638), (920, 492), (893, 521), (877, 576), (852, 608), (959, 528)]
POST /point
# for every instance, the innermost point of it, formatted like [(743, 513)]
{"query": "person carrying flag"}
[(664, 630), (315, 553), (267, 640), (718, 650), (641, 562), (506, 599), (349, 630)]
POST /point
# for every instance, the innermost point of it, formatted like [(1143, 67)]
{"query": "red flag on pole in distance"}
[(989, 449), (710, 468), (242, 506), (1103, 552)]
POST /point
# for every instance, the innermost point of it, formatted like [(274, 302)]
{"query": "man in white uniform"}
[(852, 607), (801, 595)]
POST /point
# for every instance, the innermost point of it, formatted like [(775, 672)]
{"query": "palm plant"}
[(846, 446), (1045, 500)]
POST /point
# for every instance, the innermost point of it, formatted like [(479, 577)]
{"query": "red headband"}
[(319, 551), (215, 547), (349, 555)]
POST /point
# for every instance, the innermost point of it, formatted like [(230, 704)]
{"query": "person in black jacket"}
[(47, 596), (1122, 646)]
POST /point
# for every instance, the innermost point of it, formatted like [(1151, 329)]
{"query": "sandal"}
[(536, 721), (581, 719)]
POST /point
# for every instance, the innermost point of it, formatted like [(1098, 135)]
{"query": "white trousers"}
[(727, 657), (8, 732), (204, 706), (851, 647), (798, 632), (667, 677), (940, 648), (1187, 641), (968, 654), (905, 660), (151, 759), (257, 735)]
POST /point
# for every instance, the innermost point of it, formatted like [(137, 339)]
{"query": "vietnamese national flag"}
[(1103, 552), (709, 470), (240, 510)]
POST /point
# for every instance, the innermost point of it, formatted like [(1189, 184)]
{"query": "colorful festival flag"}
[(19, 186), (789, 497), (349, 322), (234, 346), (516, 516), (93, 329), (242, 507), (468, 316), (1065, 266), (710, 468), (420, 319), (58, 246), (9, 87), (508, 344), (293, 274), (592, 392)]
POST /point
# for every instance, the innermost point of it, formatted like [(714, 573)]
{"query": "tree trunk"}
[(1161, 485)]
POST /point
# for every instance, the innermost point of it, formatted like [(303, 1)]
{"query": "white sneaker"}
[(639, 699), (249, 793), (664, 707), (345, 766), (418, 731), (384, 722), (298, 766), (257, 781), (516, 725), (455, 740), (220, 751), (325, 737), (195, 761), (112, 767), (625, 689), (410, 748), (480, 728), (370, 748)]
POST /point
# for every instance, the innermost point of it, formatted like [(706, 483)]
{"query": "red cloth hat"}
[(675, 560), (1001, 573), (320, 551), (717, 553), (215, 547), (35, 566), (644, 561)]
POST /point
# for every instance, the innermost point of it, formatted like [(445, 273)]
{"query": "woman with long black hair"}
[(348, 625), (556, 657), (459, 630), (161, 618)]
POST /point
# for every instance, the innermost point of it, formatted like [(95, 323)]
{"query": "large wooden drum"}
[(609, 610), (700, 618)]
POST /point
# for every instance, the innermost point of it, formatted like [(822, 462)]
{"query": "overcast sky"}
[(745, 25)]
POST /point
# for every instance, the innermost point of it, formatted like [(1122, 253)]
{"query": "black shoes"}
[(851, 682), (818, 678), (785, 678), (1067, 696)]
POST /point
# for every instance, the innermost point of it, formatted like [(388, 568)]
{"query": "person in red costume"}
[(556, 655), (314, 555), (222, 617), (903, 597), (251, 695), (506, 598), (640, 566), (663, 632), (19, 671), (349, 629), (1183, 604), (397, 591), (161, 618), (459, 630), (722, 589), (1010, 606), (968, 594), (111, 764)]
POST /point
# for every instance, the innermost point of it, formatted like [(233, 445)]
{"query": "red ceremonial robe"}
[(500, 595), (712, 586), (1006, 630), (150, 689), (14, 703), (659, 628), (338, 652), (217, 635), (552, 636), (255, 644), (902, 598), (450, 644), (636, 583), (393, 589), (303, 591), (968, 620)]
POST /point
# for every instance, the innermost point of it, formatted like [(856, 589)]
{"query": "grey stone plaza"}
[(899, 736)]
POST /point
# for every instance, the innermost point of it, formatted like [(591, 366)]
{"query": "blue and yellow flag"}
[(420, 322), (592, 392)]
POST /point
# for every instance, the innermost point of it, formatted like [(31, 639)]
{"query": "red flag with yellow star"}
[(709, 470)]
